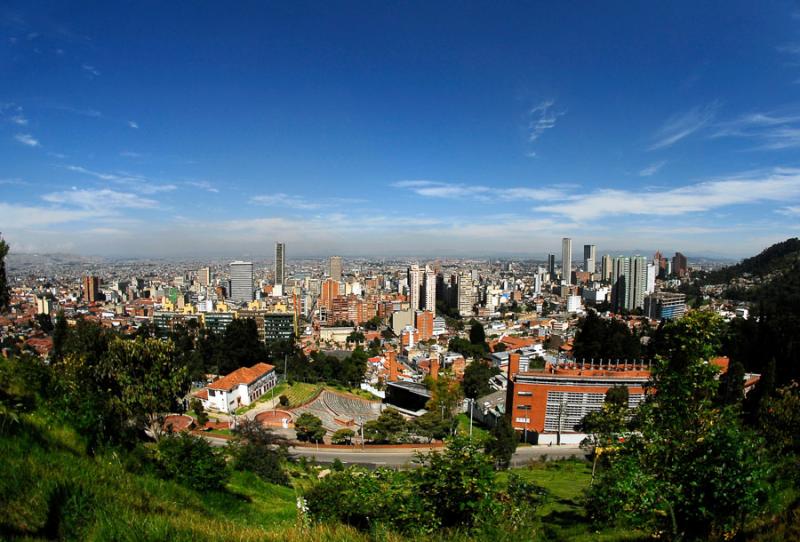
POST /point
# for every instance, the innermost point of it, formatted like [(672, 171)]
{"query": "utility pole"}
[(471, 408), (560, 420)]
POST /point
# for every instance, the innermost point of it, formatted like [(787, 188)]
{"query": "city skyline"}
[(442, 131)]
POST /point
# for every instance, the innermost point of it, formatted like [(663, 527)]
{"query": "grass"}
[(300, 393), (358, 392), (478, 433)]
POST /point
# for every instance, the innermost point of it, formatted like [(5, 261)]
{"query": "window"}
[(522, 420), (525, 393), (523, 407)]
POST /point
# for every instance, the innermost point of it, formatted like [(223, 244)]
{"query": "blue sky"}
[(431, 128)]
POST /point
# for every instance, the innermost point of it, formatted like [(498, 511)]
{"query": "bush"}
[(309, 427), (283, 400), (192, 461), (260, 451), (343, 436)]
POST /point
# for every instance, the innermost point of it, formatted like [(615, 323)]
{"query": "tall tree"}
[(476, 379), (4, 296), (477, 335), (503, 442)]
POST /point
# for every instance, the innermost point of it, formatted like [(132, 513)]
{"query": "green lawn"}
[(478, 432)]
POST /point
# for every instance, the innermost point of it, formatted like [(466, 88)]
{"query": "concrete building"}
[(429, 288), (335, 268), (91, 289), (467, 294), (566, 260), (551, 266), (680, 265), (606, 268), (278, 325), (652, 272), (414, 286), (241, 290), (665, 305), (589, 258), (628, 283), (239, 388), (204, 276), (280, 264)]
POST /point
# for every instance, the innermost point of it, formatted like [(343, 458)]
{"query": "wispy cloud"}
[(778, 185), (437, 189), (27, 139), (130, 154), (652, 169), (133, 124), (91, 70), (100, 200), (682, 125), (285, 200), (542, 118), (773, 131), (34, 216), (132, 181), (203, 185), (13, 113)]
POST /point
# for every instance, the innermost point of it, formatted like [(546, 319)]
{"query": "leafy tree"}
[(4, 295), (389, 427), (283, 400), (780, 425), (500, 347), (477, 335), (60, 333), (192, 461), (309, 428), (431, 426), (598, 338), (476, 379), (259, 450), (343, 436), (503, 442), (356, 337), (44, 322), (691, 470), (197, 406), (446, 395), (240, 346)]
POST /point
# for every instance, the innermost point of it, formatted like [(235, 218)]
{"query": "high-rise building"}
[(414, 286), (335, 268), (551, 266), (652, 272), (566, 260), (204, 276), (430, 290), (424, 324), (680, 266), (589, 258), (467, 293), (606, 268), (628, 282), (665, 306), (241, 281), (280, 263), (91, 288), (330, 290)]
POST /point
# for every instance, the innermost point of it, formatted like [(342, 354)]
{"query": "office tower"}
[(551, 266), (665, 306), (280, 263), (335, 268), (628, 282), (414, 285), (566, 260), (652, 271), (91, 287), (430, 290), (241, 289), (589, 258), (680, 266), (606, 268), (204, 276), (330, 291), (467, 293)]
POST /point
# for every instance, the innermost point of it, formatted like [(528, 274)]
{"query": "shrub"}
[(343, 436), (309, 427), (191, 461), (283, 400)]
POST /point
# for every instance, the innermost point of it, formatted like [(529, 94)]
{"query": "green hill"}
[(777, 259)]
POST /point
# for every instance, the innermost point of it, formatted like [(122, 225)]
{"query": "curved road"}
[(405, 457)]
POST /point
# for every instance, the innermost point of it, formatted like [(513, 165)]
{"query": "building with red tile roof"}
[(239, 388)]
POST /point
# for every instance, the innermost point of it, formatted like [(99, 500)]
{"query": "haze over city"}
[(443, 130)]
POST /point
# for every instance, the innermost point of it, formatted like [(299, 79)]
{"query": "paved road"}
[(402, 457)]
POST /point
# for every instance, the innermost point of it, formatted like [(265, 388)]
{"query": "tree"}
[(309, 428), (60, 333), (343, 436), (446, 395), (259, 450), (476, 379), (4, 296), (240, 346), (200, 413), (355, 337), (191, 461), (389, 427), (477, 335), (503, 443), (431, 426), (691, 469)]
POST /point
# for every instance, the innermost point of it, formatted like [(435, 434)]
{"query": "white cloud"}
[(652, 169), (682, 125), (102, 200), (91, 70), (27, 139), (774, 131), (285, 200), (132, 181), (437, 189), (779, 185), (542, 118), (27, 216), (204, 185), (133, 124)]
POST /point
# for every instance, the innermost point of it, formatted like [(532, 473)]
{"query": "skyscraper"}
[(606, 268), (280, 263), (335, 268), (551, 266), (589, 258), (680, 266), (467, 293), (628, 282), (566, 260), (91, 287), (430, 290), (414, 285), (241, 281), (204, 276)]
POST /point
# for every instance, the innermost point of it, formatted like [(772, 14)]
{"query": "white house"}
[(239, 388)]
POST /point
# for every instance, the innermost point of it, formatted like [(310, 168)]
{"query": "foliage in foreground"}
[(453, 489)]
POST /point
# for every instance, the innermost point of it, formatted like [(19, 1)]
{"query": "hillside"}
[(774, 260), (50, 489)]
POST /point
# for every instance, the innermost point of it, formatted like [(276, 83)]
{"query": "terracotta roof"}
[(201, 394), (242, 375)]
